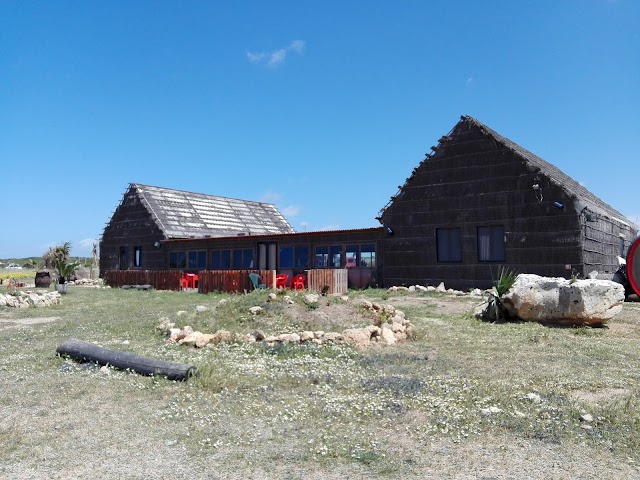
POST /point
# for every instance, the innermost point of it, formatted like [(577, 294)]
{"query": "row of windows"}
[(299, 256), (328, 256), (491, 244)]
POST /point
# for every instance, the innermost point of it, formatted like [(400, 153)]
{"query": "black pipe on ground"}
[(85, 351)]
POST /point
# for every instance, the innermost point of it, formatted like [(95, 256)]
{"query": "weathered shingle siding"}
[(131, 225), (602, 244)]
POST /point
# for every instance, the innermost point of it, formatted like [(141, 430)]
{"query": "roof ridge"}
[(199, 193)]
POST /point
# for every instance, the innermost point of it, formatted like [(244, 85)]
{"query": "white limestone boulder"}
[(562, 301)]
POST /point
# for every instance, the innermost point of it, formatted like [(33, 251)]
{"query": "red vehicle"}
[(629, 272)]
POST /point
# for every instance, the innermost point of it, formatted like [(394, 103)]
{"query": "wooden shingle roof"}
[(181, 214)]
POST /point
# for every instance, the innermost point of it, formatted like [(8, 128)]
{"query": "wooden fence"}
[(225, 280), (158, 279), (232, 280), (335, 279)]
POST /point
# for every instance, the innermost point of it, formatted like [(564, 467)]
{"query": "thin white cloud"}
[(87, 243), (272, 197), (297, 46), (277, 57), (291, 211), (83, 248), (255, 57), (330, 227)]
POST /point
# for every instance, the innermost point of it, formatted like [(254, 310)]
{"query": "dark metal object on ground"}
[(85, 351), (43, 279)]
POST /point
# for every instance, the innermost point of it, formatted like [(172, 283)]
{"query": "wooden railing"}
[(158, 279), (232, 280)]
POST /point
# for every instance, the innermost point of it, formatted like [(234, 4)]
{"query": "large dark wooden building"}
[(478, 202)]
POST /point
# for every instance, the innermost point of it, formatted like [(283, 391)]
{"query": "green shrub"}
[(501, 285)]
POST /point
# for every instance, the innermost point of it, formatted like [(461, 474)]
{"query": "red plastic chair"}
[(281, 280), (189, 280), (297, 282)]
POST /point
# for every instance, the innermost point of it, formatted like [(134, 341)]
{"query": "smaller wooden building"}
[(147, 216), (157, 228)]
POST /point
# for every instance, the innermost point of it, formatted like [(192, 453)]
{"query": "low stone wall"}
[(26, 299)]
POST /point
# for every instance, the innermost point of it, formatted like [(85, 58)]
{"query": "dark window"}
[(368, 255), (491, 244), (192, 259), (197, 259), (202, 259), (301, 256), (225, 258), (247, 258), (215, 260), (353, 252), (221, 259), (124, 258), (182, 260), (335, 258), (622, 247), (177, 260), (237, 259), (286, 257), (137, 256), (322, 256), (448, 245)]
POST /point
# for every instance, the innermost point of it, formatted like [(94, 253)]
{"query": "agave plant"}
[(501, 285)]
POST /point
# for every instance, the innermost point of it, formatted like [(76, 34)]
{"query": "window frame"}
[(137, 256), (492, 230)]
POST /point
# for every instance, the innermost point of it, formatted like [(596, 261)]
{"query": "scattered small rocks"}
[(311, 298), (476, 292), (490, 410), (587, 418), (87, 282), (533, 397), (27, 298)]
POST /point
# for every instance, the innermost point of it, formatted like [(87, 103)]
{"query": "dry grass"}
[(412, 410)]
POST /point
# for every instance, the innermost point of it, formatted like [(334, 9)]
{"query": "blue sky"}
[(322, 108)]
